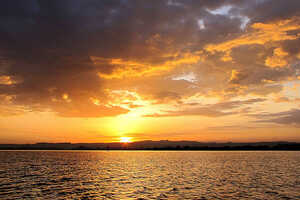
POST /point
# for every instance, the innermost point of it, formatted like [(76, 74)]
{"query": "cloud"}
[(278, 58), (57, 55), (207, 112), (236, 104), (5, 80), (260, 34), (9, 109), (88, 111), (282, 99), (211, 110), (130, 68), (291, 117), (232, 128), (269, 10)]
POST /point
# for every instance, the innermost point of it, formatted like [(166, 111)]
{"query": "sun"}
[(125, 139)]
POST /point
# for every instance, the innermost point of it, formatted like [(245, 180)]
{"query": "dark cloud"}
[(269, 10), (48, 46)]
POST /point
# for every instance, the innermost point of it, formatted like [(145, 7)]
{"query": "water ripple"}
[(149, 175)]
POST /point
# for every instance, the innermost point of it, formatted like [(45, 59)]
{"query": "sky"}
[(102, 70)]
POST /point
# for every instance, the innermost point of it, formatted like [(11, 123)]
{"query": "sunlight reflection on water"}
[(149, 175)]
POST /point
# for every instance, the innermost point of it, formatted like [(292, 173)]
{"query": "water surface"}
[(149, 175)]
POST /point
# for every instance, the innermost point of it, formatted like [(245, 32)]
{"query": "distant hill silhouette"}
[(156, 145)]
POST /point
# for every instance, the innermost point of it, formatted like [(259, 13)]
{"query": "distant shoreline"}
[(163, 145), (146, 150)]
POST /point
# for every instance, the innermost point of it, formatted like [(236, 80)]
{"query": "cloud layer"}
[(70, 56)]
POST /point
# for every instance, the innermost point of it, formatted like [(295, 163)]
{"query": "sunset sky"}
[(103, 70)]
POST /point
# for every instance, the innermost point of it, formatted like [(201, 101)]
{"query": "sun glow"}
[(125, 139)]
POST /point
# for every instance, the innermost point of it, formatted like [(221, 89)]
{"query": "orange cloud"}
[(234, 75), (6, 80), (7, 108), (277, 60), (89, 111), (125, 99), (6, 99), (6, 111), (131, 68), (259, 34), (282, 99)]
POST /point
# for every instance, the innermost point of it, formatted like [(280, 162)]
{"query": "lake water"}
[(149, 175)]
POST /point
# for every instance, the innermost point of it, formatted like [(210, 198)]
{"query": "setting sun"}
[(125, 139), (143, 93)]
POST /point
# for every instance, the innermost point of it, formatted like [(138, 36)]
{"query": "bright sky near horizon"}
[(126, 70)]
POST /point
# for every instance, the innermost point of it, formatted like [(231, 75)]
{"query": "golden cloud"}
[(6, 80), (10, 110), (89, 110), (131, 68), (277, 60), (259, 34), (234, 75), (7, 108)]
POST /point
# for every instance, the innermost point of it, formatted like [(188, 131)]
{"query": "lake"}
[(149, 175)]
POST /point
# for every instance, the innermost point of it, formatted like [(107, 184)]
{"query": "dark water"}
[(149, 175)]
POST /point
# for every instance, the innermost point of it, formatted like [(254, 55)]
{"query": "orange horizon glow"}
[(125, 139)]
